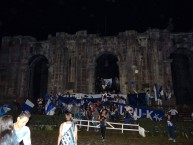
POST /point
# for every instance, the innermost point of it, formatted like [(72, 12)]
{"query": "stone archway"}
[(182, 68), (107, 68), (38, 77)]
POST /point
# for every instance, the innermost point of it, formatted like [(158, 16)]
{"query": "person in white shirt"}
[(21, 130), (148, 98), (174, 113), (68, 132)]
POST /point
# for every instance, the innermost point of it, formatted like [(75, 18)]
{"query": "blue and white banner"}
[(87, 97), (50, 108), (144, 112), (28, 105)]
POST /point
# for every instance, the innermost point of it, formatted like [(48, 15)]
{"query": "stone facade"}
[(67, 62)]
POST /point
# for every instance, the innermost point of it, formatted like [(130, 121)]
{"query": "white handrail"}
[(111, 125)]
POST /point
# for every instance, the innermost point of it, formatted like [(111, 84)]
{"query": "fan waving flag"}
[(50, 108), (28, 105), (4, 109), (156, 92)]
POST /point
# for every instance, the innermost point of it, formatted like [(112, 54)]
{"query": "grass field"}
[(45, 129), (49, 137)]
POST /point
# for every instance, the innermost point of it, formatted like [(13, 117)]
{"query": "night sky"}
[(39, 18)]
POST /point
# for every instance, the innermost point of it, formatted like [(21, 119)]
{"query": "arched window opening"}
[(38, 77), (107, 74)]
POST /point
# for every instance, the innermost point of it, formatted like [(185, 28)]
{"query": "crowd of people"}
[(88, 108), (153, 98), (107, 108), (15, 133)]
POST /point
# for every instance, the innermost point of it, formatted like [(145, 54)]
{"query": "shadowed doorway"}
[(38, 77), (182, 75), (107, 74)]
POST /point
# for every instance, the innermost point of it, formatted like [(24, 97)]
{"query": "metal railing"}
[(111, 125)]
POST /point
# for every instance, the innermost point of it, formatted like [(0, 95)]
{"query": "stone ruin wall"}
[(146, 53)]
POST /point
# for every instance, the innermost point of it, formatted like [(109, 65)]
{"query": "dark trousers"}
[(103, 130), (171, 131)]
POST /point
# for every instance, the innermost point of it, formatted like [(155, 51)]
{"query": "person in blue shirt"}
[(21, 130)]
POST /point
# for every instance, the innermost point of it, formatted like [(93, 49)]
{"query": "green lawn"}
[(156, 133), (49, 137)]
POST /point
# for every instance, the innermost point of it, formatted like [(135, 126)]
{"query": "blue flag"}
[(4, 109), (50, 108), (28, 105)]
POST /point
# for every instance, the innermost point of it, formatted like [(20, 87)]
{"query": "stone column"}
[(122, 77), (23, 92), (91, 79), (50, 79)]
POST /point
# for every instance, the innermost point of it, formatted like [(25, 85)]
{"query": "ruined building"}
[(31, 68)]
